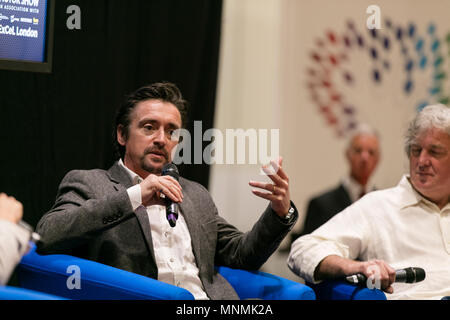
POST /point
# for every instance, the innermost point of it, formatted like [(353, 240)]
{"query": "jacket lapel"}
[(194, 227), (122, 180)]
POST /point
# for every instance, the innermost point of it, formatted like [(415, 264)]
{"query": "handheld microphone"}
[(407, 275), (170, 169)]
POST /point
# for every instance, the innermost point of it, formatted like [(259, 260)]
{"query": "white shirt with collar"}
[(396, 225), (172, 246)]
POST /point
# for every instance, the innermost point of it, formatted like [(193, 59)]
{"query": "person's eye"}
[(436, 153), (416, 151), (149, 128)]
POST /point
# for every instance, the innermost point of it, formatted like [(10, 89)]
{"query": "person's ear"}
[(121, 136)]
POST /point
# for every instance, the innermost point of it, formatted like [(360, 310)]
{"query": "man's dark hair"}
[(164, 91)]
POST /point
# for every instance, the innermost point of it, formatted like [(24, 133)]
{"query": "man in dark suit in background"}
[(118, 217), (362, 154)]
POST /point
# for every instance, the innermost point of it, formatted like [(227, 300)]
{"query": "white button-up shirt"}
[(172, 246), (396, 225)]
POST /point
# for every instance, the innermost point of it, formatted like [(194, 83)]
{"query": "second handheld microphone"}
[(407, 275)]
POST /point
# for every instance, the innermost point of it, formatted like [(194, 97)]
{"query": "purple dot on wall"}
[(408, 86), (386, 43), (349, 110), (348, 77), (350, 25), (376, 75), (409, 65), (360, 41), (373, 53), (351, 126), (373, 33), (399, 33), (388, 23)]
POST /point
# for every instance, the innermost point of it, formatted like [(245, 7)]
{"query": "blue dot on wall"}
[(411, 30), (438, 61), (423, 62), (435, 90), (421, 105), (431, 28), (419, 45), (435, 45)]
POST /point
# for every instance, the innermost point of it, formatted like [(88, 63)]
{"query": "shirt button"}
[(172, 259), (166, 234)]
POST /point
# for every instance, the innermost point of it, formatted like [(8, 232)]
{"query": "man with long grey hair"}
[(400, 227)]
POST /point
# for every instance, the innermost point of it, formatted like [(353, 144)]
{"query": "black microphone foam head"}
[(414, 274), (170, 169), (420, 274)]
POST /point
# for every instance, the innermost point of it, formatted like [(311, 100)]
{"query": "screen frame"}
[(31, 66)]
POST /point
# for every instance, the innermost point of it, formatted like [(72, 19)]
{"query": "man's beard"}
[(149, 167)]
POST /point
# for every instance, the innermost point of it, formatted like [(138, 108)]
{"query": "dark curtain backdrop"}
[(53, 123)]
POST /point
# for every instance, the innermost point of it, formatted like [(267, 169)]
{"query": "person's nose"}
[(424, 159), (160, 137), (365, 156)]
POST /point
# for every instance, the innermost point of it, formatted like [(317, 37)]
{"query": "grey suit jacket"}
[(92, 218)]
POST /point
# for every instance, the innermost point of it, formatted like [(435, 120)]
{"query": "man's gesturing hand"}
[(278, 194)]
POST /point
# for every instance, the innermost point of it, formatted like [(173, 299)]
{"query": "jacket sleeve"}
[(86, 204), (251, 250)]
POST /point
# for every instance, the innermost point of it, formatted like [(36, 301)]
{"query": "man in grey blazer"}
[(117, 217)]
